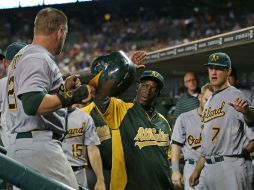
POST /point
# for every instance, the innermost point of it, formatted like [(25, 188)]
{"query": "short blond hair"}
[(207, 86), (49, 20)]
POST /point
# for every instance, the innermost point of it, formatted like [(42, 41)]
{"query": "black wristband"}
[(71, 97)]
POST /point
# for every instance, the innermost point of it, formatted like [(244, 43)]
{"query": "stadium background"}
[(179, 36), (164, 28)]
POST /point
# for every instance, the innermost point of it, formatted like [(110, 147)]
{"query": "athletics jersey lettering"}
[(75, 132), (194, 143), (210, 114), (15, 60), (103, 132), (149, 137)]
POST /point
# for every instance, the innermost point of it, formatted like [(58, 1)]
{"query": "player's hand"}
[(100, 185), (240, 105), (138, 58), (194, 179), (177, 179), (72, 82), (90, 97)]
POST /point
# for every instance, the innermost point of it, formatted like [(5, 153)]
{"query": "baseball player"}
[(223, 118), (104, 131), (187, 136), (140, 137), (11, 51), (81, 143), (39, 93)]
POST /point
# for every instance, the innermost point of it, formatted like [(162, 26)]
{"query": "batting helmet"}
[(117, 72)]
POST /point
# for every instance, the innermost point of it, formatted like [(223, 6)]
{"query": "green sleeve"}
[(31, 102)]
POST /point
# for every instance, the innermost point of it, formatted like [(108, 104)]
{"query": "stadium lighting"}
[(51, 2), (9, 4), (30, 3)]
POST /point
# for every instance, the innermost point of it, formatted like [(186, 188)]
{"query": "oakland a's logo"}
[(155, 74), (149, 137), (214, 58), (210, 114), (194, 142)]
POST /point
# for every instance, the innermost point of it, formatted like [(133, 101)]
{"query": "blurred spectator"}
[(189, 100)]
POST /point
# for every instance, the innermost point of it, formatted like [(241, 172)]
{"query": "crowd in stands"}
[(88, 39)]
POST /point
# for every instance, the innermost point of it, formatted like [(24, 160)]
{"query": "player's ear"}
[(59, 33)]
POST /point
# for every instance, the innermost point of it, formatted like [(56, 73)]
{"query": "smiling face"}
[(147, 91), (218, 76)]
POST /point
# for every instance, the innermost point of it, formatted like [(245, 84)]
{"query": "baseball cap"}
[(153, 75), (219, 59), (13, 49), (1, 54)]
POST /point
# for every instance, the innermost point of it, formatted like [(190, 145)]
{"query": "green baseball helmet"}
[(118, 72)]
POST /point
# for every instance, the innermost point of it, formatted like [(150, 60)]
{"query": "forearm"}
[(200, 165), (48, 104), (95, 161), (249, 147), (175, 157)]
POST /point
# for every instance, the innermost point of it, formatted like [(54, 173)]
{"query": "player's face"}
[(190, 82), (218, 77), (147, 91), (62, 36), (204, 98)]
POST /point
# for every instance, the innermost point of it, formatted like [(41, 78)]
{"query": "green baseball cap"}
[(13, 49), (219, 59), (153, 75)]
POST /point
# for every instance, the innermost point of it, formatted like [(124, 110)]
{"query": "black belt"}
[(76, 168), (191, 162), (27, 135), (214, 160)]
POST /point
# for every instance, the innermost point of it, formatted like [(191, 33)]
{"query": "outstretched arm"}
[(242, 105)]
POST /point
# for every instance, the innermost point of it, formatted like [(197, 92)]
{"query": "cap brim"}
[(215, 64)]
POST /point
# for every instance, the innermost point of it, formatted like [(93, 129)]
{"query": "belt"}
[(214, 160), (191, 162), (76, 168), (27, 135)]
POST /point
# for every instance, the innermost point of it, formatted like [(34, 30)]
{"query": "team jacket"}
[(139, 147)]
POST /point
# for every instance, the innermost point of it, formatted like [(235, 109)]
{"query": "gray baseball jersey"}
[(81, 133), (35, 70), (187, 131), (223, 126), (4, 131)]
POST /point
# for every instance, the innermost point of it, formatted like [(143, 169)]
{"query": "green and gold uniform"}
[(140, 147)]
